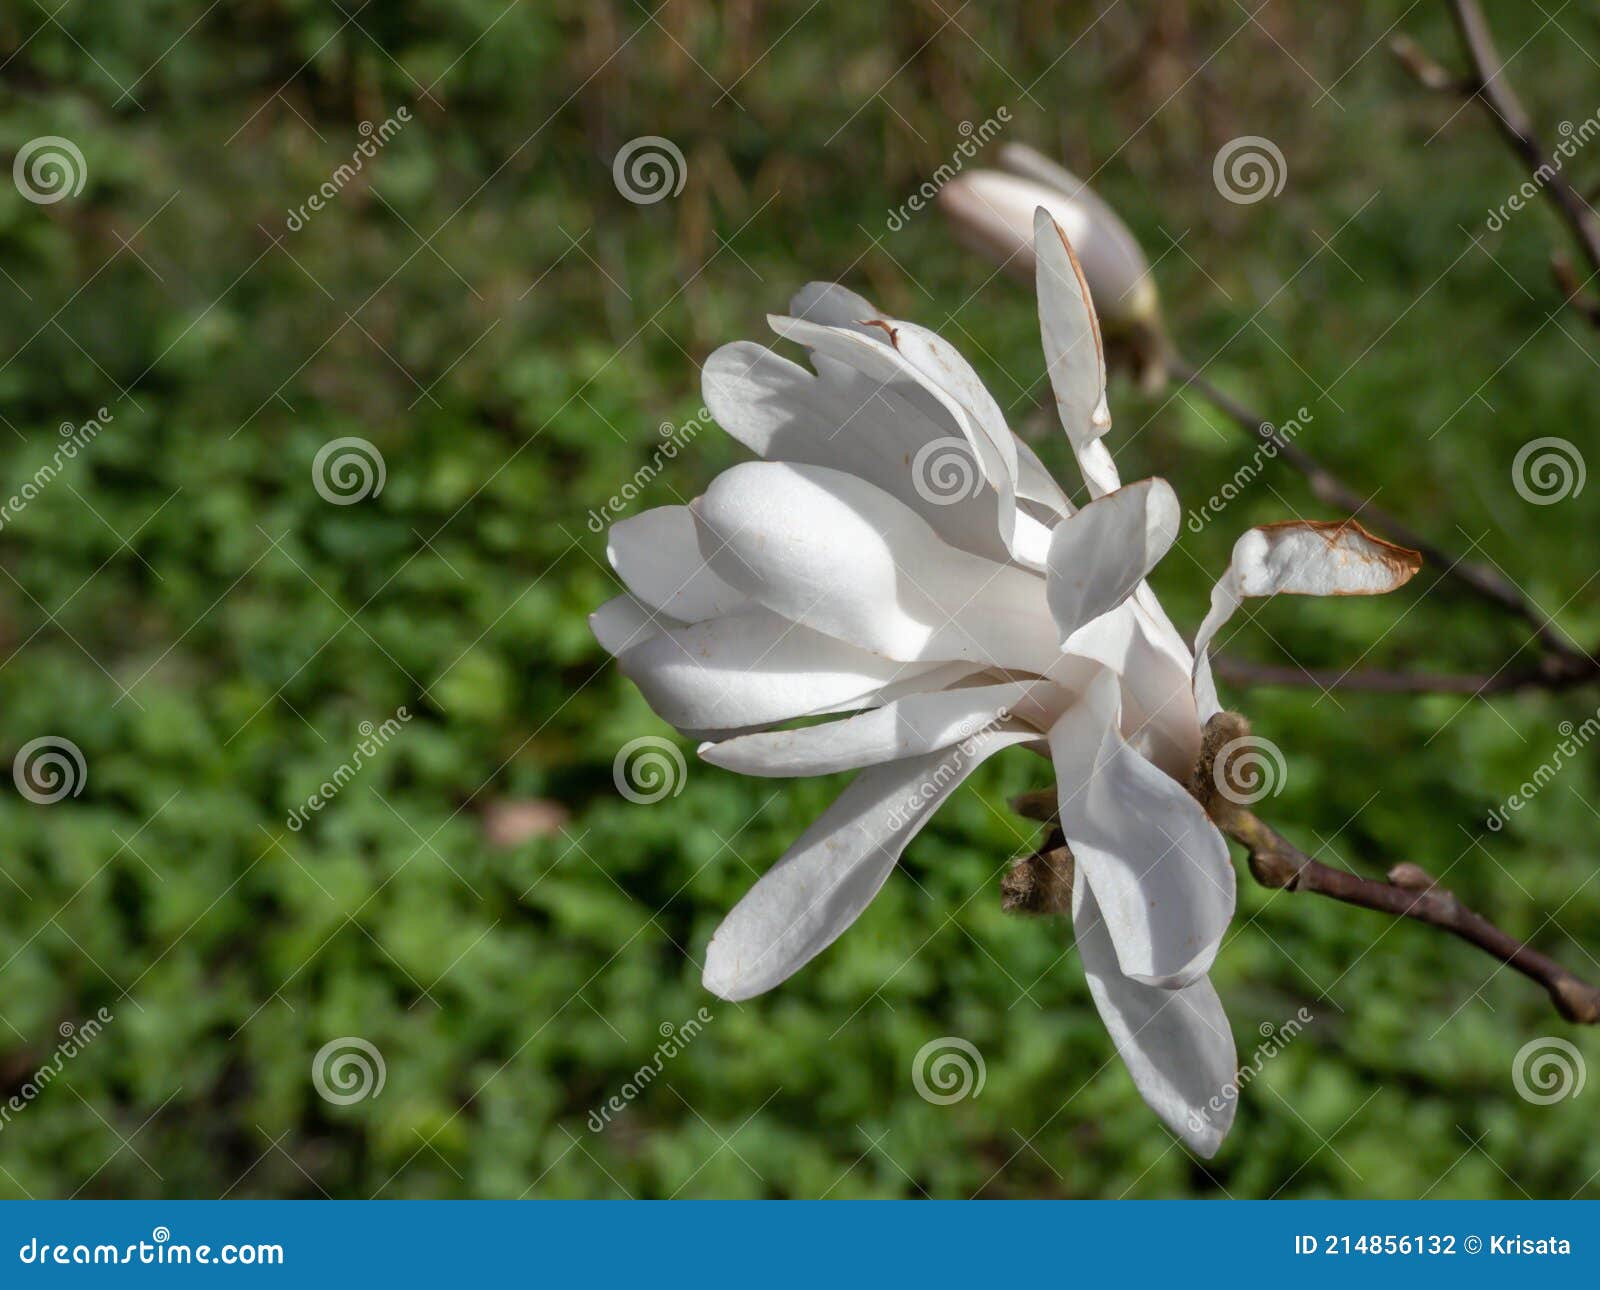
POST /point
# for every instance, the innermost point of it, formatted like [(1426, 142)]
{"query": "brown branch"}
[(1041, 883), (1410, 891), (1489, 84), (1491, 88), (1332, 491)]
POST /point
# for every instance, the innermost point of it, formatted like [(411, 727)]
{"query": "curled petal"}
[(1298, 558)]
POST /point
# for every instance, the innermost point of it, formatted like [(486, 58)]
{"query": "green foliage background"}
[(484, 306)]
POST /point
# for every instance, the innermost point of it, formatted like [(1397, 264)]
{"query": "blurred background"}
[(185, 942)]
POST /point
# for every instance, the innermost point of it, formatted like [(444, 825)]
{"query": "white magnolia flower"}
[(900, 560)]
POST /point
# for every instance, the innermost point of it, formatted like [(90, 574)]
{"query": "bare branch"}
[(1410, 891), (1491, 88), (1041, 882)]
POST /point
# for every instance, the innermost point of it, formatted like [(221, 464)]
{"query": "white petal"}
[(1145, 651), (752, 669), (1073, 350), (1036, 484), (821, 885), (657, 554), (1099, 556), (834, 552), (849, 421), (910, 727), (1158, 866), (916, 362), (1299, 558), (622, 622), (1176, 1043), (834, 306)]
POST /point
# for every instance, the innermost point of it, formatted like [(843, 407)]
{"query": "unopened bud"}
[(992, 211)]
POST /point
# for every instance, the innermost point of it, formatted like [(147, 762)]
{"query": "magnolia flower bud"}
[(992, 211)]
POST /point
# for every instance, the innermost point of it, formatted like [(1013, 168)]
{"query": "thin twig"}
[(1493, 90), (1410, 891)]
